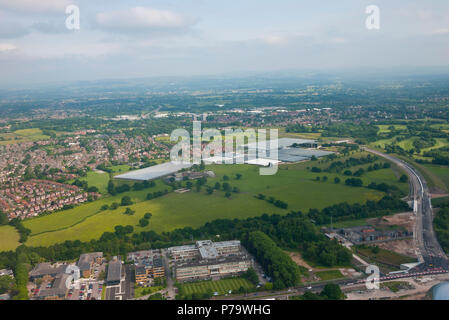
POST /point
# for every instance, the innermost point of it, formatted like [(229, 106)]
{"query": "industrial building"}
[(154, 172), (367, 234)]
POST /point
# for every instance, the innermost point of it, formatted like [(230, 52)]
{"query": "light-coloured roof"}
[(280, 143), (154, 172)]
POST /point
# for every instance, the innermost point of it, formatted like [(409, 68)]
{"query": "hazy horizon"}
[(141, 39)]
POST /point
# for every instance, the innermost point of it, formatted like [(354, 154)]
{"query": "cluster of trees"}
[(354, 182), (156, 194), (441, 222), (327, 253), (129, 212), (338, 166), (23, 232), (439, 156), (145, 220), (84, 185), (389, 189), (113, 190), (345, 211), (330, 292), (365, 132), (276, 263), (277, 203)]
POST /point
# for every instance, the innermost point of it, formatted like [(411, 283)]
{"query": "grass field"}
[(292, 184), (384, 128), (220, 286), (97, 179), (440, 174), (141, 291), (24, 135), (385, 258), (330, 275), (9, 238)]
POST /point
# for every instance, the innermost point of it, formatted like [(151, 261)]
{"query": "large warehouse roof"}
[(281, 143), (154, 172)]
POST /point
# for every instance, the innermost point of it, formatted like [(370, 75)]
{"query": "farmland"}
[(24, 135)]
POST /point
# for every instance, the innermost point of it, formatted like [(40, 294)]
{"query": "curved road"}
[(428, 247)]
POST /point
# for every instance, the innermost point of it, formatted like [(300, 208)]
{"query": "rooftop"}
[(114, 271), (154, 172)]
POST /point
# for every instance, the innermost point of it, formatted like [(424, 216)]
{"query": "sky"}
[(122, 39)]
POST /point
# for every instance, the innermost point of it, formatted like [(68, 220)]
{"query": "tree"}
[(93, 189), (129, 212), (6, 284), (403, 178), (143, 222), (126, 201), (238, 176), (337, 180), (332, 291), (111, 188), (3, 218), (251, 276)]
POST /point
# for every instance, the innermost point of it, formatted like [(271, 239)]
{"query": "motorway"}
[(428, 248)]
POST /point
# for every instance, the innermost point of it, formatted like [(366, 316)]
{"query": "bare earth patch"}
[(297, 258)]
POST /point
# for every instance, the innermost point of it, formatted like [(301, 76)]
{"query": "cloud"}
[(7, 47), (35, 6), (11, 28), (49, 27), (441, 31), (143, 20), (274, 40)]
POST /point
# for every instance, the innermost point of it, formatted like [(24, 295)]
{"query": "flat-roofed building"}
[(142, 274), (209, 268), (158, 270), (181, 253), (206, 259), (46, 269), (114, 272)]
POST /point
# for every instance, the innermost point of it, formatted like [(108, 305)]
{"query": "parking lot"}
[(85, 290)]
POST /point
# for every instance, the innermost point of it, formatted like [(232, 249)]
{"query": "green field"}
[(9, 238), (293, 184), (330, 275), (384, 128), (97, 179), (220, 286), (440, 175), (24, 135), (386, 259)]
